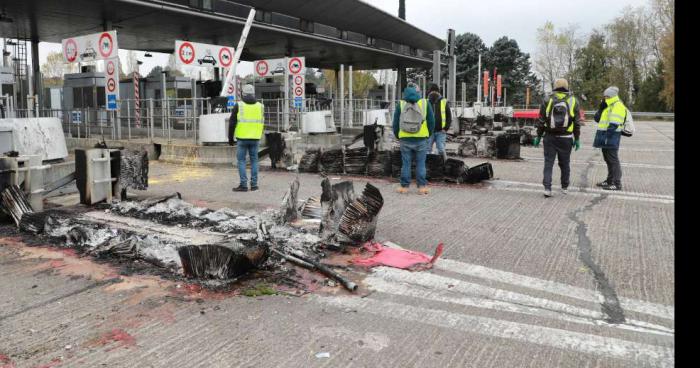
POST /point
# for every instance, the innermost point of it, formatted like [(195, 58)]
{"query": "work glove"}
[(536, 141), (577, 145), (603, 105), (230, 142)]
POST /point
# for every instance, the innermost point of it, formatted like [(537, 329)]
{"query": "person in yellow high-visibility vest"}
[(414, 144), (247, 125), (443, 119), (611, 117)]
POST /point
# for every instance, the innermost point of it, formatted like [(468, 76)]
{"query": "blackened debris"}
[(290, 208), (134, 170), (309, 163), (359, 221), (223, 261), (332, 161), (15, 203)]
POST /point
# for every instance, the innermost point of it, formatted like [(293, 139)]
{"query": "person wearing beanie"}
[(611, 117), (247, 125), (560, 125), (413, 112), (443, 119)]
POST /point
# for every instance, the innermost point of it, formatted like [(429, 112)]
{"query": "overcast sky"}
[(491, 19)]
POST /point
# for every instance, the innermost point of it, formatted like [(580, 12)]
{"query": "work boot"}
[(603, 184), (402, 190), (240, 188), (547, 193), (253, 188), (612, 187), (423, 190)]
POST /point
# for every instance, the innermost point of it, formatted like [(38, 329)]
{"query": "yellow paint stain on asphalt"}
[(183, 174)]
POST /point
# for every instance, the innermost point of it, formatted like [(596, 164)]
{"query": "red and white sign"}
[(486, 84), (70, 50), (225, 57), (112, 80), (96, 46), (202, 54), (498, 86), (230, 89), (262, 68), (185, 53), (296, 64), (137, 101), (106, 45)]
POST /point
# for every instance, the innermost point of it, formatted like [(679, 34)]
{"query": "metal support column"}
[(285, 113), (436, 67), (341, 95), (36, 73), (351, 108)]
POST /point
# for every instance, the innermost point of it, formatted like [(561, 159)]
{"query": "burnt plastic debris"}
[(33, 222), (508, 146), (311, 209), (133, 171), (332, 161), (223, 261), (355, 161), (454, 169), (290, 210), (15, 203), (434, 167), (310, 161), (359, 221), (477, 173), (276, 145)]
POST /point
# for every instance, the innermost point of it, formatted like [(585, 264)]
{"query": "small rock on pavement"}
[(324, 354)]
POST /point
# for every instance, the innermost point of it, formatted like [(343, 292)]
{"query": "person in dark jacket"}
[(414, 145), (443, 119), (247, 125), (611, 117), (560, 133)]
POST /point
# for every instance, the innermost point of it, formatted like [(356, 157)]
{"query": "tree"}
[(55, 67), (468, 46), (556, 52), (650, 97), (514, 67), (590, 77), (173, 67), (132, 64), (668, 52)]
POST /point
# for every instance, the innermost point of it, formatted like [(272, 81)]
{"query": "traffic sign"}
[(230, 89), (70, 50), (111, 85), (106, 45), (111, 102), (295, 65), (298, 91), (231, 102), (110, 67), (298, 80), (186, 53), (262, 68), (96, 46), (225, 57), (298, 102)]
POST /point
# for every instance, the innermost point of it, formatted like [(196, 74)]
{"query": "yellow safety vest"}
[(615, 113), (443, 111), (423, 132), (572, 103), (250, 123)]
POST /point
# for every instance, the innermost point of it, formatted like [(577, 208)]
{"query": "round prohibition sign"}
[(298, 91), (298, 80), (229, 90), (295, 65), (111, 85), (71, 50), (186, 53), (225, 57), (262, 68), (110, 67), (106, 45)]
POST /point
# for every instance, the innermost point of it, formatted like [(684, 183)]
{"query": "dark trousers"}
[(557, 148), (614, 170)]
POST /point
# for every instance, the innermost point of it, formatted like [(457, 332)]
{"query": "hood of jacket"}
[(411, 95), (434, 97), (249, 99)]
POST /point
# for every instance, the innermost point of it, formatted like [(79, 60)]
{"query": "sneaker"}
[(402, 190), (253, 188), (240, 188), (612, 187), (564, 190), (602, 184), (547, 193), (423, 190)]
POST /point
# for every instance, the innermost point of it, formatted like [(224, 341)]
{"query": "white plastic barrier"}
[(33, 136)]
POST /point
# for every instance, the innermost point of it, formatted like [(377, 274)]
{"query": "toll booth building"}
[(85, 92)]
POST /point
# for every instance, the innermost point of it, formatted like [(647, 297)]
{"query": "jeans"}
[(249, 147), (438, 138), (614, 170), (559, 148), (409, 151)]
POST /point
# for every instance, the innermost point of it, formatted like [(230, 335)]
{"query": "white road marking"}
[(658, 310), (439, 288), (517, 186), (641, 354), (601, 163)]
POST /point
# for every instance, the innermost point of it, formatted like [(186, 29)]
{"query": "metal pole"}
[(386, 85), (351, 108), (341, 95), (505, 94), (194, 109), (285, 111), (436, 67), (464, 94), (150, 119), (478, 81), (128, 118)]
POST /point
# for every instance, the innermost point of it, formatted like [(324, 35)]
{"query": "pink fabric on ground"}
[(397, 258)]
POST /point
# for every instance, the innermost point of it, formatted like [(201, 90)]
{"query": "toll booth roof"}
[(326, 32)]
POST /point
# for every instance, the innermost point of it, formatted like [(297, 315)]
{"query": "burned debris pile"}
[(364, 162)]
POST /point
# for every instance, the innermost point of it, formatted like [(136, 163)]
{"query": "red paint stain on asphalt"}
[(6, 362), (53, 363), (122, 339)]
